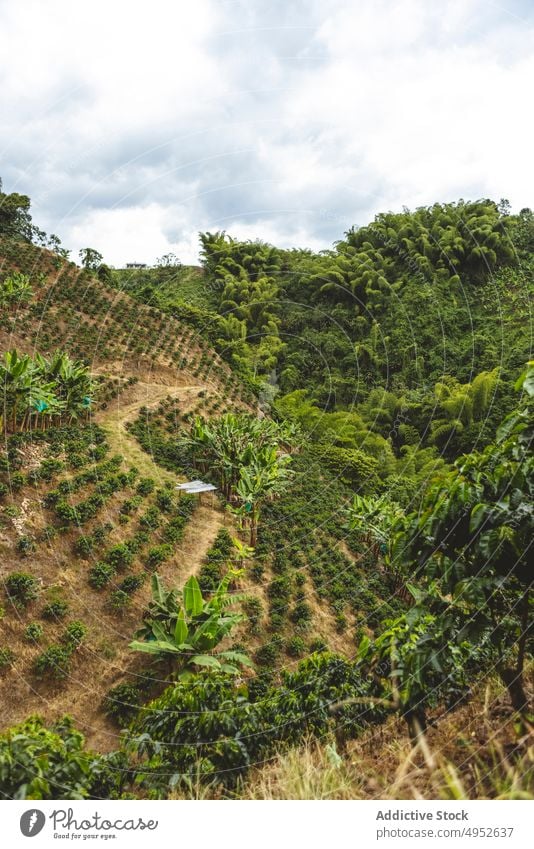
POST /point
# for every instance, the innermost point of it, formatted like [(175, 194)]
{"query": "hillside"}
[(166, 376), (360, 575)]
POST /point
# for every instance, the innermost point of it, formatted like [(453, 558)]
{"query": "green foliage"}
[(295, 647), (56, 609), (21, 588), (190, 632), (7, 658), (33, 632), (207, 728), (90, 259), (15, 289), (37, 762), (145, 486), (468, 549), (74, 635), (101, 574), (243, 452), (119, 556), (54, 662), (353, 466), (43, 391), (122, 703)]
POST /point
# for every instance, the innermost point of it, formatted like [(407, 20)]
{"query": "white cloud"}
[(133, 126)]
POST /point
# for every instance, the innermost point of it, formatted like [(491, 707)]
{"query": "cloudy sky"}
[(133, 125)]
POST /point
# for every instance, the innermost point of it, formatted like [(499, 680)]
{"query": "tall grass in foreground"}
[(317, 772)]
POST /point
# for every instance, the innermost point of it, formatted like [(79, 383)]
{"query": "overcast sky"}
[(134, 125)]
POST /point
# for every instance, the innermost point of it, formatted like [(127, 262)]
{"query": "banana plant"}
[(245, 454), (189, 630), (39, 392), (15, 385), (15, 289)]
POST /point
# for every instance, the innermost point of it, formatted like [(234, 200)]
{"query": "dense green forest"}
[(366, 414)]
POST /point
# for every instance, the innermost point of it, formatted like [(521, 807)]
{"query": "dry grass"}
[(478, 751)]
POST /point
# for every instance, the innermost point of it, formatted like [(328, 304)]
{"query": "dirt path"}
[(117, 416), (106, 660)]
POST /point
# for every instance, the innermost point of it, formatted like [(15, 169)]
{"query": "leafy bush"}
[(208, 727), (254, 611), (53, 662), (122, 703), (33, 632), (158, 554), (25, 545), (119, 601), (101, 574), (21, 588), (7, 658), (75, 634), (145, 486), (37, 762), (56, 609), (132, 583), (295, 647), (164, 500), (120, 556)]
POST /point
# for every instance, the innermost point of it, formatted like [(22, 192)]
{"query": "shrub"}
[(254, 610), (257, 571), (37, 762), (132, 583), (296, 647), (7, 658), (21, 588), (84, 546), (33, 632), (164, 500), (171, 740), (25, 545), (119, 601), (301, 614), (122, 703), (100, 575), (276, 622), (119, 556), (174, 531), (145, 486), (268, 653), (341, 622), (158, 554), (75, 634), (318, 645), (56, 609), (130, 505), (151, 519), (17, 481), (54, 662)]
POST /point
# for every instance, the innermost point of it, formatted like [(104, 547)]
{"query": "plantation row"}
[(76, 311), (98, 500)]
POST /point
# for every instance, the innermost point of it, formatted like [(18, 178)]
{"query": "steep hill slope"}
[(155, 373)]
